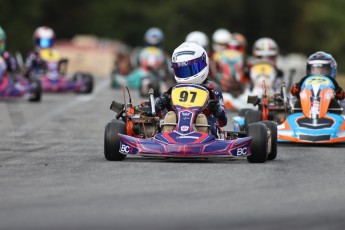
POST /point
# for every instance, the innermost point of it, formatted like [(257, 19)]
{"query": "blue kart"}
[(316, 116)]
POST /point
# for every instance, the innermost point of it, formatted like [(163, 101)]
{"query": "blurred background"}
[(297, 26)]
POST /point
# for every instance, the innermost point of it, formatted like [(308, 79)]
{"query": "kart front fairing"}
[(298, 128), (173, 144), (61, 84)]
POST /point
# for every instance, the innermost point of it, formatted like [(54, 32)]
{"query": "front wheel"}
[(258, 147), (112, 141)]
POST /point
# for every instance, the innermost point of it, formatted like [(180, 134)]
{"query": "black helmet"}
[(321, 63)]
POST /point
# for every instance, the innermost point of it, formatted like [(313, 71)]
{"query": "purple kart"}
[(185, 141), (20, 87), (52, 74)]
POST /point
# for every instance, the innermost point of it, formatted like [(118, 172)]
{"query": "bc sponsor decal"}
[(184, 128), (126, 149), (242, 151)]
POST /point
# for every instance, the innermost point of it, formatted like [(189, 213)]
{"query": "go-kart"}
[(138, 132), (260, 71), (53, 75), (18, 87), (316, 116), (270, 107)]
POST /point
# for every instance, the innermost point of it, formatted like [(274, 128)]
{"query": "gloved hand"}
[(162, 101), (214, 106), (340, 94), (295, 89)]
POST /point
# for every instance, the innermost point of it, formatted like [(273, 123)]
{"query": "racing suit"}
[(215, 111), (34, 62)]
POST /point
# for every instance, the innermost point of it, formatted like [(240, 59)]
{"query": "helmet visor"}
[(319, 69), (189, 68), (45, 43)]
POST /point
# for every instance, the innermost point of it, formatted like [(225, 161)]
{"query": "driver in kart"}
[(320, 63), (267, 50), (43, 38), (190, 64)]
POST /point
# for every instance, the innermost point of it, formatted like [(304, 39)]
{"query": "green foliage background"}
[(297, 26)]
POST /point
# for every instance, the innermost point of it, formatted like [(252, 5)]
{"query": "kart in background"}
[(260, 71), (270, 107), (316, 116), (138, 132), (53, 75)]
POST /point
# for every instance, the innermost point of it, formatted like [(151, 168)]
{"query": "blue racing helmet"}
[(321, 63), (154, 37)]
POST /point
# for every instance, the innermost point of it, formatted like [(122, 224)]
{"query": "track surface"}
[(53, 176)]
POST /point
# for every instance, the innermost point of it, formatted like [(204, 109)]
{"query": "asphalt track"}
[(53, 175)]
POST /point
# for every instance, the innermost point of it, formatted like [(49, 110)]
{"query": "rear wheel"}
[(273, 129), (243, 112), (112, 141), (258, 147), (87, 81), (251, 116)]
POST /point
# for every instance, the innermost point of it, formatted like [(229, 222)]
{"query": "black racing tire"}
[(87, 78), (251, 116), (272, 126), (112, 141), (89, 86), (37, 90), (243, 112), (156, 88), (258, 147)]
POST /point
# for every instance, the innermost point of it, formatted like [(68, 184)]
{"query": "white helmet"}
[(221, 39), (265, 47), (199, 37), (44, 37), (190, 63)]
